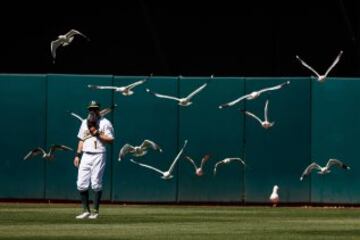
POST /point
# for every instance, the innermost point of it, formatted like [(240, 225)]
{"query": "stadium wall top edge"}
[(174, 76)]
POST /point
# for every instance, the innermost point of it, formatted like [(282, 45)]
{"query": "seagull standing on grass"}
[(199, 170), (64, 40), (167, 174), (138, 151), (47, 155), (253, 95), (324, 170), (124, 90), (265, 124), (226, 161), (186, 101), (274, 197), (321, 78)]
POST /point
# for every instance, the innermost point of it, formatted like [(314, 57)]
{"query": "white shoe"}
[(83, 215), (94, 216)]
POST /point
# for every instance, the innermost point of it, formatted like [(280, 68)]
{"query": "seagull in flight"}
[(124, 90), (199, 170), (321, 78), (47, 155), (167, 174), (138, 151), (265, 124), (226, 161), (64, 40), (186, 101), (253, 95), (103, 112), (324, 170)]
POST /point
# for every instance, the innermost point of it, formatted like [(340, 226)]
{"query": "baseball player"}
[(95, 132)]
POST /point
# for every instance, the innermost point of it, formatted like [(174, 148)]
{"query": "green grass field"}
[(56, 221)]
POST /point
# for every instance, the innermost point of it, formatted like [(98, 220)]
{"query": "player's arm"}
[(105, 138), (78, 153), (108, 135)]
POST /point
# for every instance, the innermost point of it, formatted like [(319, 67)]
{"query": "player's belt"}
[(93, 153)]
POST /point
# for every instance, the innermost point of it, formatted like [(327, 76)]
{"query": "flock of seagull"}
[(146, 145)]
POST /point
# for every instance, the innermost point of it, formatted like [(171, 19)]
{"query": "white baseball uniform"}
[(92, 164)]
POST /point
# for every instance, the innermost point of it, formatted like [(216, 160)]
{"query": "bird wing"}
[(217, 164), (102, 87), (147, 166), (192, 161), (125, 150), (191, 95), (309, 168), (335, 162), (147, 143), (77, 116), (131, 86), (177, 157), (74, 32), (307, 66), (107, 110), (334, 63), (266, 110), (55, 147), (162, 96), (254, 116), (34, 152), (204, 160), (237, 159), (277, 87), (54, 45), (229, 104)]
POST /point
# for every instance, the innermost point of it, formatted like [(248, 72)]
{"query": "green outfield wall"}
[(313, 122)]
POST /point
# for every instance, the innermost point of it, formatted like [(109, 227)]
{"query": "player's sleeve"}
[(109, 130), (82, 131)]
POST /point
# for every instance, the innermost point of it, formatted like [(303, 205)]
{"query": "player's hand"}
[(94, 131), (76, 161)]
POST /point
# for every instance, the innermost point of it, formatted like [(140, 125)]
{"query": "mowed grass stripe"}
[(56, 221)]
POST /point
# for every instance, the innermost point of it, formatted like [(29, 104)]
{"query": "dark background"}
[(249, 38)]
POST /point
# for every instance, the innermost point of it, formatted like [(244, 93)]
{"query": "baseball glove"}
[(92, 120)]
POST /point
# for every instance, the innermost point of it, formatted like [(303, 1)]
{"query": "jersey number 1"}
[(95, 144)]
